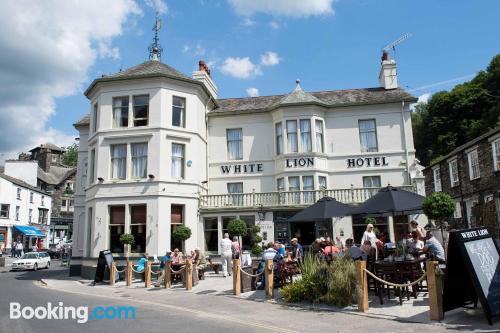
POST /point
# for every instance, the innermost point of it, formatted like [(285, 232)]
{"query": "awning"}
[(29, 231)]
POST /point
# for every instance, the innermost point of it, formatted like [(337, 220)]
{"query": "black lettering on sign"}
[(377, 161), (360, 162), (302, 162), (288, 163), (260, 167), (310, 161), (351, 163), (237, 168), (225, 168), (384, 163)]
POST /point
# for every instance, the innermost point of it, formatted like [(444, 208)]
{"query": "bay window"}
[(139, 160), (279, 138), (177, 160), (368, 135), (291, 134), (141, 110), (120, 112), (319, 136), (178, 111), (294, 183), (119, 161), (305, 135), (234, 144)]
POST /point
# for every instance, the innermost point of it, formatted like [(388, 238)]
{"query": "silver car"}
[(32, 260)]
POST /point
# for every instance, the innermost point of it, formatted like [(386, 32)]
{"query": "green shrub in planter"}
[(257, 250), (181, 233), (127, 239), (237, 228)]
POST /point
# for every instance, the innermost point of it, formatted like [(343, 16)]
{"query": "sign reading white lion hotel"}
[(163, 150)]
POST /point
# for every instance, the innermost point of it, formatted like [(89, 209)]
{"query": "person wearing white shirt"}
[(369, 235), (227, 254)]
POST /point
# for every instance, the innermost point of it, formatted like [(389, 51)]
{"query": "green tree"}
[(70, 156), (181, 233), (438, 207), (237, 228), (452, 118)]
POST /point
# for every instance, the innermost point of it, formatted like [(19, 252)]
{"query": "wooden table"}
[(399, 272)]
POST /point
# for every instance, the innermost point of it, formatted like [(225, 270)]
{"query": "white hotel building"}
[(159, 149)]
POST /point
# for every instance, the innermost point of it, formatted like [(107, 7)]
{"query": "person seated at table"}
[(280, 248), (352, 250), (421, 234), (141, 265), (269, 254), (330, 250), (433, 248), (199, 259), (177, 257), (416, 245)]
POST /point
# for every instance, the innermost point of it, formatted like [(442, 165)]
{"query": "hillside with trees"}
[(452, 118)]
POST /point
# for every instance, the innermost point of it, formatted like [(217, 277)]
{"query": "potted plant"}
[(439, 207), (256, 240), (237, 228), (127, 240), (181, 233)]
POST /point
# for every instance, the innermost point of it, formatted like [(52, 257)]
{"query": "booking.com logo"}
[(81, 314)]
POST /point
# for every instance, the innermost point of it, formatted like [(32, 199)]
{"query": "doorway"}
[(305, 232)]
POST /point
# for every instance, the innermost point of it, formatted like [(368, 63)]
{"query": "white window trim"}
[(471, 176), (496, 161), (452, 183), (436, 187)]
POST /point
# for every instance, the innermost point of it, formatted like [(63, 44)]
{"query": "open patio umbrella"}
[(323, 210), (391, 201)]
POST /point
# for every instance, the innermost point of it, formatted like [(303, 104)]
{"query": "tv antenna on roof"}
[(396, 42), (155, 49)]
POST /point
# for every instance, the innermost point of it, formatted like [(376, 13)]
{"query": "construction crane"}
[(396, 42)]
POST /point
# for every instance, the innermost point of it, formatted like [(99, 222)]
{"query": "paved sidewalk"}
[(8, 263), (209, 292)]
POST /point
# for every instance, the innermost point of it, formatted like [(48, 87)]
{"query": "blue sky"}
[(327, 44)]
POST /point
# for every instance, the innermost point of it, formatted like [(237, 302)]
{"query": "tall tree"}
[(70, 156), (452, 118)]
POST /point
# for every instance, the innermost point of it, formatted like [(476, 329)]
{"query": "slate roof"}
[(19, 182), (56, 174), (466, 145), (330, 98), (83, 121), (148, 69), (50, 146)]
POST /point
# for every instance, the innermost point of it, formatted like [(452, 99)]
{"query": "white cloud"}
[(196, 50), (253, 92), (46, 53), (240, 68), (292, 8), (269, 59), (158, 5), (275, 24), (247, 22), (424, 98)]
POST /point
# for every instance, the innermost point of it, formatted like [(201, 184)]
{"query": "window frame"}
[(182, 159), (135, 158), (368, 150), (182, 110), (298, 182), (31, 197), (17, 213), (319, 182), (437, 180), (18, 193), (495, 150), (319, 135), (296, 133), (4, 211), (279, 138), (240, 156), (121, 108), (309, 149), (112, 159), (94, 117), (278, 180), (371, 178), (92, 166), (111, 224), (471, 165), (134, 106), (454, 178)]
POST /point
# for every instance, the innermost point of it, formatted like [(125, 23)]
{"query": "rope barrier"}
[(123, 270), (133, 270), (179, 271), (397, 285), (156, 273), (251, 275)]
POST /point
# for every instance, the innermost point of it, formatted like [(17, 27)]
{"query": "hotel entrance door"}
[(305, 232)]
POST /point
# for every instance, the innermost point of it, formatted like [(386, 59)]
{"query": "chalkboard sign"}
[(105, 260), (473, 271)]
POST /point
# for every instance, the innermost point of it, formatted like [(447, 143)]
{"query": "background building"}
[(470, 174), (158, 149)]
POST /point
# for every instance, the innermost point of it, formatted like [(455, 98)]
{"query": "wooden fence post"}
[(189, 274), (269, 268), (362, 285), (236, 277), (112, 274), (129, 273), (168, 275), (147, 274), (435, 287)]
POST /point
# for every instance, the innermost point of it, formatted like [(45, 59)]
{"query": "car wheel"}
[(35, 267), (48, 265)]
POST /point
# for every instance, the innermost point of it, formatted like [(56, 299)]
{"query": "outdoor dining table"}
[(399, 272)]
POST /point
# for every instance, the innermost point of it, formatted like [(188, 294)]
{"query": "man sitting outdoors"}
[(434, 248)]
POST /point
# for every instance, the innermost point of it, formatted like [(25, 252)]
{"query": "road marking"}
[(184, 309)]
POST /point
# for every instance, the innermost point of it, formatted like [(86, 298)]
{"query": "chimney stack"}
[(388, 77), (203, 75)]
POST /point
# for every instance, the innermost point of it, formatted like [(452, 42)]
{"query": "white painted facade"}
[(20, 204), (203, 189)]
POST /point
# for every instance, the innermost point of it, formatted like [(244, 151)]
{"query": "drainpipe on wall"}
[(206, 138), (408, 178)]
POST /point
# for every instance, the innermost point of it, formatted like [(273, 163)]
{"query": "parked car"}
[(32, 260)]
